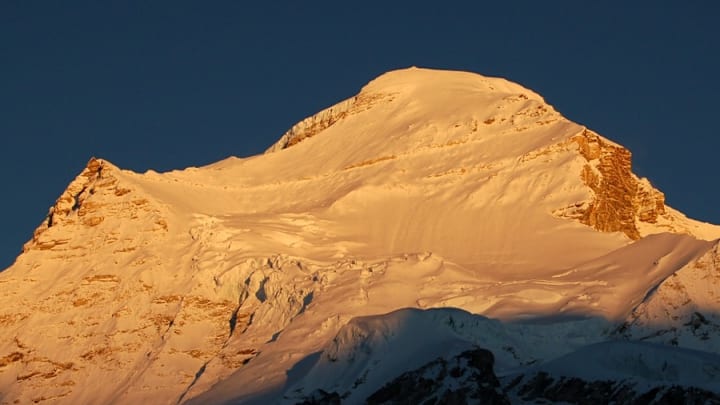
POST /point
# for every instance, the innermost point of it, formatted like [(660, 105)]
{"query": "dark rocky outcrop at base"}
[(468, 378), (574, 390), (464, 379)]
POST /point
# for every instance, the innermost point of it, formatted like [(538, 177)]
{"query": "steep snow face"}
[(428, 189)]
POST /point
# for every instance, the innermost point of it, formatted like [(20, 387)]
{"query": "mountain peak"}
[(427, 190), (431, 83), (422, 91), (99, 193)]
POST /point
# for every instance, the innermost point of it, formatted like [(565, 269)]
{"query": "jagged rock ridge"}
[(80, 206), (315, 124), (620, 198)]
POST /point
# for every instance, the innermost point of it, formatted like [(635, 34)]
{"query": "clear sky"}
[(171, 84)]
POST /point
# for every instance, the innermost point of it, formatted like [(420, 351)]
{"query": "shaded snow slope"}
[(428, 189), (622, 373), (645, 363), (371, 354), (684, 309)]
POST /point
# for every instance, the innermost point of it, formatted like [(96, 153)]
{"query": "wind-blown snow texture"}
[(431, 218)]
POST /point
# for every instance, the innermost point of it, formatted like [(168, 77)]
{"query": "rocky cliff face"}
[(569, 390), (620, 199), (94, 195), (148, 326), (469, 378), (464, 378), (319, 122)]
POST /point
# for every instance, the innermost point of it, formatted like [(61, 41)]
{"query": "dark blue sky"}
[(171, 84)]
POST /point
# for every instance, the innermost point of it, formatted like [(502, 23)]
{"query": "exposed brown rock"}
[(93, 221), (102, 278), (370, 162), (620, 198), (88, 207), (99, 352), (93, 196), (69, 202), (11, 319), (11, 358), (650, 202), (121, 191), (317, 123)]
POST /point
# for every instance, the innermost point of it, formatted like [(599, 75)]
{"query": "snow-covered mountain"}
[(440, 229)]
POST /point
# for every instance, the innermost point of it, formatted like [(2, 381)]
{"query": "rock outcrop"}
[(319, 122), (572, 390), (620, 199), (94, 194), (465, 378)]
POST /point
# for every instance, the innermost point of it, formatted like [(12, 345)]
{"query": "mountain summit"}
[(435, 218)]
